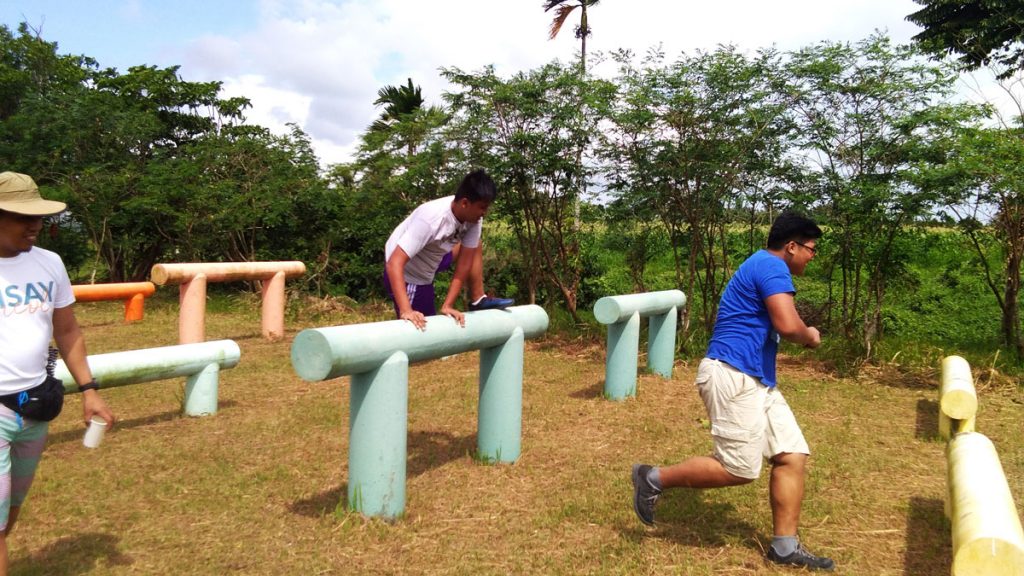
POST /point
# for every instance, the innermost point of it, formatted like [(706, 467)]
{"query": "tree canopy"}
[(980, 32)]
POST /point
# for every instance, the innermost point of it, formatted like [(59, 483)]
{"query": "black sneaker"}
[(645, 496), (488, 303), (801, 557)]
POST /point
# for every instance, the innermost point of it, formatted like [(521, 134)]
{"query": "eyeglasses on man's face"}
[(812, 249)]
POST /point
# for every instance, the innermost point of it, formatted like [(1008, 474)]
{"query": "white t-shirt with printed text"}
[(430, 232), (32, 284)]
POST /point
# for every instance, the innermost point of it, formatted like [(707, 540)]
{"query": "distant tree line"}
[(865, 137)]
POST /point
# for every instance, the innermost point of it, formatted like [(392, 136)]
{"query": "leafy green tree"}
[(984, 184), (402, 161), (980, 32), (155, 167), (252, 196), (688, 141), (528, 131), (112, 144), (403, 153), (866, 114)]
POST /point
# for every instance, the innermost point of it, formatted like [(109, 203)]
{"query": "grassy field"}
[(260, 487)]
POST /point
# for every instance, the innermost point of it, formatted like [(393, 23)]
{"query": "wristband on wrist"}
[(92, 385)]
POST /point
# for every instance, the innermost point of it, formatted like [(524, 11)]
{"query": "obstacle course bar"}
[(199, 363), (133, 293), (377, 356), (192, 278), (986, 530), (622, 314)]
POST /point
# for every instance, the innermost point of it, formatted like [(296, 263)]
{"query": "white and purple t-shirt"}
[(32, 285), (430, 232)]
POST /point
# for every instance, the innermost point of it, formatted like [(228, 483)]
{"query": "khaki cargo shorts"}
[(749, 421)]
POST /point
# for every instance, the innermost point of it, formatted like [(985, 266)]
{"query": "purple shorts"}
[(421, 297)]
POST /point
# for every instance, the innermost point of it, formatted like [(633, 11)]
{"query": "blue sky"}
[(319, 63), (121, 33)]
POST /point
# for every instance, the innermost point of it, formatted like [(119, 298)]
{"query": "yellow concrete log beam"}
[(987, 535), (957, 398)]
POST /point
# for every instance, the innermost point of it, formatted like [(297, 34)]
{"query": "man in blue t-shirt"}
[(750, 420)]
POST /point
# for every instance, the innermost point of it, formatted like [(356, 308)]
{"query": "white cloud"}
[(319, 63)]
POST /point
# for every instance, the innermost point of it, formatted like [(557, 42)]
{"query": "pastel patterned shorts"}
[(21, 445)]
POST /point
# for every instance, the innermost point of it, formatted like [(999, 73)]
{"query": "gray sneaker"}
[(802, 558), (645, 496)]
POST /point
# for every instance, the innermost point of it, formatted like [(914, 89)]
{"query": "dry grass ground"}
[(256, 488)]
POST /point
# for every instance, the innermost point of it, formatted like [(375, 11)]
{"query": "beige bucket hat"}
[(19, 194)]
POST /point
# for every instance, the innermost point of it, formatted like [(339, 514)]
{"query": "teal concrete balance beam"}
[(622, 315), (377, 356), (199, 363)]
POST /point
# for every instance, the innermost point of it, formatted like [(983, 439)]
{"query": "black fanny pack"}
[(42, 403)]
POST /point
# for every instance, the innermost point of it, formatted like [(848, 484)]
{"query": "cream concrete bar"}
[(192, 278)]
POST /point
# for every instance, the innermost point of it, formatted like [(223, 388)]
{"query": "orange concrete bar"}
[(133, 293), (193, 277)]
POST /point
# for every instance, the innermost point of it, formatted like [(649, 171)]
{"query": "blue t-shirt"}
[(744, 337)]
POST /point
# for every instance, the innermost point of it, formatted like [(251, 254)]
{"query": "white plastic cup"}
[(94, 433)]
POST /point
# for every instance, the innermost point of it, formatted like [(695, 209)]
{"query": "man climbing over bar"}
[(750, 420), (35, 306), (447, 228)]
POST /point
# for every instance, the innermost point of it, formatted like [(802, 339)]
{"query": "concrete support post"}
[(958, 400), (134, 308), (192, 314), (201, 391), (377, 356), (133, 293), (191, 323), (621, 363), (200, 363), (661, 342), (273, 307), (500, 418), (378, 426)]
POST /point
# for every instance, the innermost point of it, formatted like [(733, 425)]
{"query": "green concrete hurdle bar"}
[(377, 356), (622, 314), (200, 363)]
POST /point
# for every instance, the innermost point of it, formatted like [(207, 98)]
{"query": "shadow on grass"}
[(429, 449), (426, 450), (595, 390), (72, 555), (927, 425), (929, 550), (326, 502), (76, 435), (102, 324), (688, 518), (253, 337)]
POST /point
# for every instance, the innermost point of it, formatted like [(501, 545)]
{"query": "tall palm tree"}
[(398, 101), (405, 119), (565, 7)]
